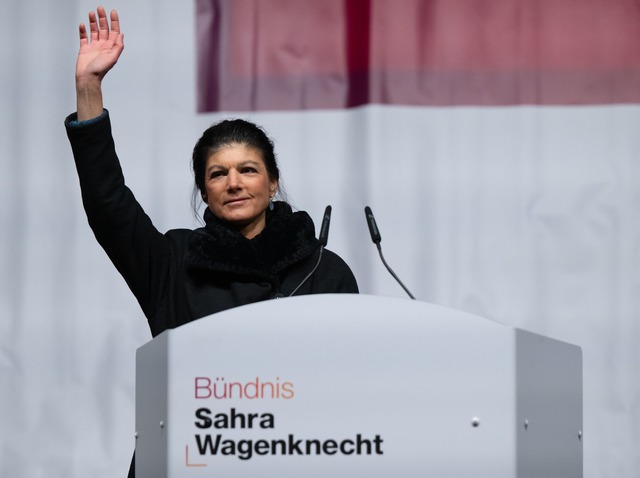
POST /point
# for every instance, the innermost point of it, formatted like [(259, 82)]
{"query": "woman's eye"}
[(248, 169), (215, 174)]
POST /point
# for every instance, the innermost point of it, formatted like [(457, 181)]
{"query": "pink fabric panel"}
[(291, 54)]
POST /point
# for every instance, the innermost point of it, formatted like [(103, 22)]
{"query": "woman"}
[(251, 248)]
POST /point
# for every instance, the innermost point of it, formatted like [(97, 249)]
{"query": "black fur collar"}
[(287, 238)]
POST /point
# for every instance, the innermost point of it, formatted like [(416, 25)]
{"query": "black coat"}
[(184, 274)]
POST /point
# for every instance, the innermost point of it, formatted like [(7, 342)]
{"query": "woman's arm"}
[(137, 249)]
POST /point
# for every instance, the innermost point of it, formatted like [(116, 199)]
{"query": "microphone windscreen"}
[(373, 227), (323, 237)]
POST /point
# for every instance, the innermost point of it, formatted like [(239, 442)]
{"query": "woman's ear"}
[(273, 188)]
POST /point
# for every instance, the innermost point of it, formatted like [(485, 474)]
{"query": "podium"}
[(342, 385)]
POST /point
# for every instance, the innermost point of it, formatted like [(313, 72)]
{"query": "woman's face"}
[(238, 188)]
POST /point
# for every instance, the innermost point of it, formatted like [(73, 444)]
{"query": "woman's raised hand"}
[(100, 49)]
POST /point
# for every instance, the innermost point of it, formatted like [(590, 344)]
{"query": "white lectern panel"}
[(353, 385)]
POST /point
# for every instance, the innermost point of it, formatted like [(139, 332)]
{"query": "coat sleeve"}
[(139, 252)]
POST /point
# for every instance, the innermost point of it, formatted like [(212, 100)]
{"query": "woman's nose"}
[(233, 179)]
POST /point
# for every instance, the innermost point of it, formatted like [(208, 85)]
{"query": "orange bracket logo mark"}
[(186, 460)]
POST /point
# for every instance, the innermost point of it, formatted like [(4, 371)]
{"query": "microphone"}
[(373, 227), (377, 238), (323, 237)]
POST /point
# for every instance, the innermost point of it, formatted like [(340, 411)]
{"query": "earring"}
[(271, 204)]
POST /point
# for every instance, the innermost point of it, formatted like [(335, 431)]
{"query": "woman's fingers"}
[(84, 39), (101, 28), (103, 24), (93, 26), (115, 22)]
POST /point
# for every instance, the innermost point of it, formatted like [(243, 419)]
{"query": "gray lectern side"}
[(355, 385)]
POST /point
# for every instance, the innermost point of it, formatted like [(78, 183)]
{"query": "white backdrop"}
[(526, 215)]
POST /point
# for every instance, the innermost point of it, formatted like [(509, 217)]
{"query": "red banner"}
[(307, 54)]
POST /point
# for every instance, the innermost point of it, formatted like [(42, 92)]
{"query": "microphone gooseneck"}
[(377, 238), (323, 237)]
